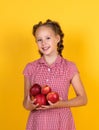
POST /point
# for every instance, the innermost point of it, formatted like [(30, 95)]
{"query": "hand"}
[(51, 105), (30, 104)]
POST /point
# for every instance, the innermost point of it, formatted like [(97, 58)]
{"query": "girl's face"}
[(47, 40)]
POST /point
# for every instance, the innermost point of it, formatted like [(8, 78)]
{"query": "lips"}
[(45, 48)]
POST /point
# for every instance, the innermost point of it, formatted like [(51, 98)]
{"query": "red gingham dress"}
[(58, 76)]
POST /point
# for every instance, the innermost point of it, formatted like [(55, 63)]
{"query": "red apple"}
[(35, 89), (45, 90), (40, 99), (53, 97)]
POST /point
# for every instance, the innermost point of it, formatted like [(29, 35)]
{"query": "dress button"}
[(48, 69), (46, 80)]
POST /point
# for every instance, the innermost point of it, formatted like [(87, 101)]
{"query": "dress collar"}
[(57, 61)]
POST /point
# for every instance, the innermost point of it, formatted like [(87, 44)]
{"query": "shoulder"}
[(31, 66), (68, 63), (33, 63), (70, 66)]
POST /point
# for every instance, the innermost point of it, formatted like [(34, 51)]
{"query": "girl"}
[(58, 73)]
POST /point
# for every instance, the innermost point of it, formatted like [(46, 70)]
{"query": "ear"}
[(57, 38)]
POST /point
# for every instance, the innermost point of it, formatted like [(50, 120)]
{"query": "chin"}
[(46, 53)]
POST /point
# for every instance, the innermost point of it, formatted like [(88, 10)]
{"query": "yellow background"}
[(79, 20)]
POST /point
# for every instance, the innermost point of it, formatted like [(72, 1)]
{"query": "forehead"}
[(45, 30)]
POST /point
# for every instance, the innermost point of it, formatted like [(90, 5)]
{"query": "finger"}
[(33, 101), (38, 108), (41, 108), (50, 102), (45, 106), (37, 105), (60, 98)]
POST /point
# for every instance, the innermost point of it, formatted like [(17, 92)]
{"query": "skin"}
[(47, 40)]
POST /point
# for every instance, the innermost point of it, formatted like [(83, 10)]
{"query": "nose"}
[(43, 42)]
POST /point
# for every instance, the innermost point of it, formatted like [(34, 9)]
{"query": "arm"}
[(79, 100), (27, 103)]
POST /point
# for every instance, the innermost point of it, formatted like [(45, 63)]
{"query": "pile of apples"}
[(43, 95)]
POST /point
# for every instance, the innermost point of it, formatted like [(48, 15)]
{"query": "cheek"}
[(54, 45), (38, 45)]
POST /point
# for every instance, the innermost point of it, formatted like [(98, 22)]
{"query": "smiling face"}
[(47, 40)]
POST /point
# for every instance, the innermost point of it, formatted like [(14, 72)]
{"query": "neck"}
[(50, 59)]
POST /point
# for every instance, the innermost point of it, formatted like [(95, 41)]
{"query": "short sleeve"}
[(27, 72), (72, 70)]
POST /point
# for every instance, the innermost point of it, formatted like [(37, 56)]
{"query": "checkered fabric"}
[(58, 76)]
